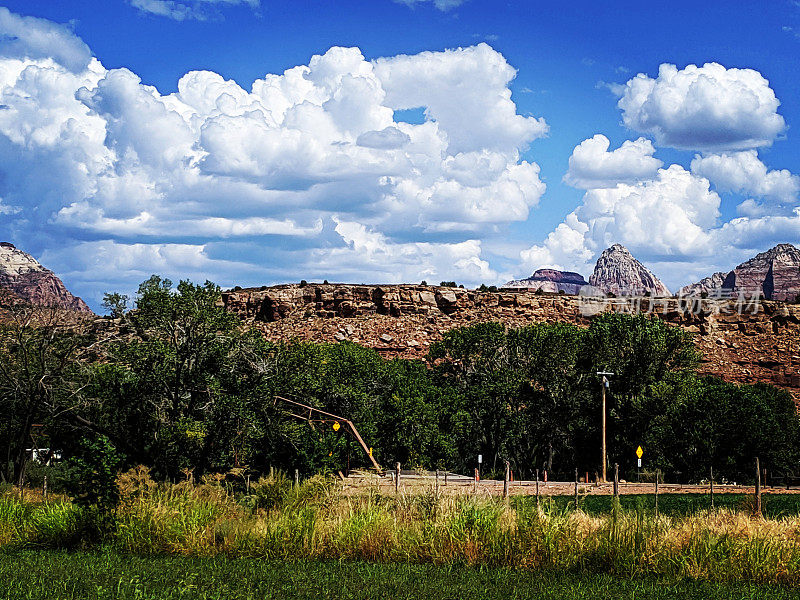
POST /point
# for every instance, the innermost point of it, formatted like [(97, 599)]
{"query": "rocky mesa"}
[(24, 277), (551, 281), (744, 343)]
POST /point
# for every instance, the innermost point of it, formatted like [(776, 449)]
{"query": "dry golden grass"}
[(318, 520)]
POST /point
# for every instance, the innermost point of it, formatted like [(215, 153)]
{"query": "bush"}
[(93, 473)]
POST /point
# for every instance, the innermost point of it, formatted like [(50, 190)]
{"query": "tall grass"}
[(278, 520)]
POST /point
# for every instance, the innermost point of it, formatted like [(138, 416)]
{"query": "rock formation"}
[(708, 285), (740, 342), (619, 273), (551, 281), (775, 274), (22, 275)]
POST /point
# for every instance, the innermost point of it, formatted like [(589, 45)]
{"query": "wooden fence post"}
[(616, 481), (576, 489), (658, 474), (397, 478), (712, 488), (296, 478), (475, 484), (437, 483), (505, 480), (537, 488), (758, 487)]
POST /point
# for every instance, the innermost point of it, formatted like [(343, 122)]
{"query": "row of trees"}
[(177, 383)]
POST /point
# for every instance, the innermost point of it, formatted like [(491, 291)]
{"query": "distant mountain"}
[(775, 273), (550, 280), (23, 276), (706, 285), (618, 272)]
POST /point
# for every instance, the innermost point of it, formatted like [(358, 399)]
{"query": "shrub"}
[(93, 474)]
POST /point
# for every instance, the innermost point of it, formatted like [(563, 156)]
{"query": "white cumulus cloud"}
[(744, 173), (33, 38), (709, 108), (93, 160), (669, 214), (593, 166)]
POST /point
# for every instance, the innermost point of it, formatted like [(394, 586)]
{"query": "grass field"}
[(46, 575), (774, 505), (161, 528)]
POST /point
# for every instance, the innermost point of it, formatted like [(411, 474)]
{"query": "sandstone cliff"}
[(707, 285), (775, 274), (619, 273), (551, 281), (23, 276), (740, 342)]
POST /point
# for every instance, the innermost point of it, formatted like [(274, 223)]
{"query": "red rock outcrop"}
[(740, 341), (22, 275), (775, 274), (618, 272), (707, 285), (550, 280)]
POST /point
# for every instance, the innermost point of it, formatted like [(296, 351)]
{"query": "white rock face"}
[(25, 277), (619, 273), (14, 262)]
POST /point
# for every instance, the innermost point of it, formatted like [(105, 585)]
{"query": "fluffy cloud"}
[(29, 37), (593, 166), (225, 176), (743, 173), (669, 215), (703, 108), (187, 9)]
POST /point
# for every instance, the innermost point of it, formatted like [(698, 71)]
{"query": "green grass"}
[(59, 575), (679, 505)]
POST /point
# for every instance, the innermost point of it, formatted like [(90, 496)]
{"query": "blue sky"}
[(223, 198)]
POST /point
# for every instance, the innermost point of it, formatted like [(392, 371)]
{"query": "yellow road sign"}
[(336, 426), (639, 452)]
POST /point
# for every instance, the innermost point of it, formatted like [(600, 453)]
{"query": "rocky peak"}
[(618, 272), (550, 280), (775, 274), (707, 285), (24, 276)]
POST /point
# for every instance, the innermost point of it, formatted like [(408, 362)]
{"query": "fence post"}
[(537, 488), (712, 488), (271, 472), (445, 477), (475, 483), (397, 478), (505, 480), (437, 483), (758, 487), (658, 475), (576, 489), (616, 481), (44, 488), (296, 478)]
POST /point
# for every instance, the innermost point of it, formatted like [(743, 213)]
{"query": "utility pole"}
[(603, 386)]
